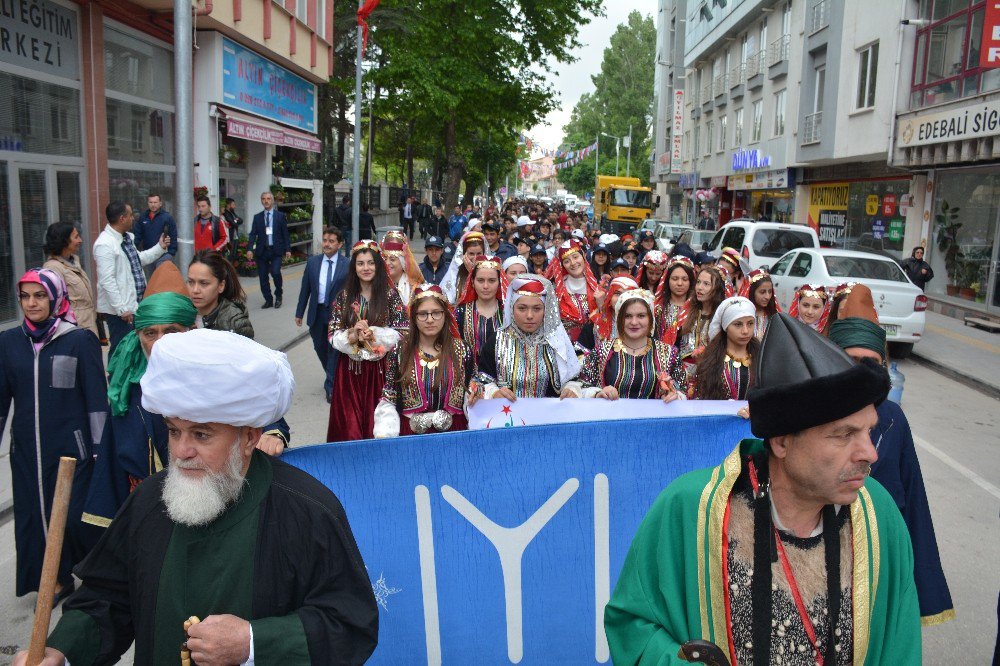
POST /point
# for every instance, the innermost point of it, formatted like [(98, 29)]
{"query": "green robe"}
[(671, 590)]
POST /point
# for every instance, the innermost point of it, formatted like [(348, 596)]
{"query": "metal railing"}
[(719, 85), (737, 75), (819, 16), (706, 92), (755, 64), (812, 130), (778, 50)]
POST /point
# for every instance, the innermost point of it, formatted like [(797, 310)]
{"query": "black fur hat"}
[(802, 380)]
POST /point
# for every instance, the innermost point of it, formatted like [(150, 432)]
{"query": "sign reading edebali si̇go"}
[(41, 36), (969, 121), (256, 85)]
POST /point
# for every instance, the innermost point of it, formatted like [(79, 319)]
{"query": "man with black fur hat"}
[(786, 552)]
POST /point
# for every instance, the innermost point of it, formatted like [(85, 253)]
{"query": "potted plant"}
[(947, 242), (201, 191), (278, 192)]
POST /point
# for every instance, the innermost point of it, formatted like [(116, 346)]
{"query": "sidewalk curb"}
[(6, 512), (975, 384), (294, 341)]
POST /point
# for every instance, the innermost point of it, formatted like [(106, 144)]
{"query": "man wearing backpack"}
[(209, 232), (269, 242)]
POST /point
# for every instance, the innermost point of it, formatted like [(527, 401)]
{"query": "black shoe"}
[(268, 304), (277, 302)]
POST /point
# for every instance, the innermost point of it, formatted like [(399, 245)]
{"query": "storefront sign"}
[(717, 181), (878, 228), (39, 35), (871, 204), (750, 160), (828, 212), (969, 121), (237, 127), (889, 205), (776, 179), (989, 53), (256, 85), (677, 129), (895, 232), (689, 180)]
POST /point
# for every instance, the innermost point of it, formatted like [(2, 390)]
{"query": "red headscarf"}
[(604, 318), (817, 290), (470, 296)]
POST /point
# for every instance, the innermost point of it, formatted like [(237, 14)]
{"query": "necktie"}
[(270, 235), (327, 297)]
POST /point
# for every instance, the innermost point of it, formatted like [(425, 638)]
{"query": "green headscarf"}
[(858, 332), (128, 363)]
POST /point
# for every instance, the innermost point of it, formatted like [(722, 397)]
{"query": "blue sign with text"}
[(254, 84), (500, 547)]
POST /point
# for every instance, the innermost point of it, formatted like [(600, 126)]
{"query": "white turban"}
[(607, 239), (210, 376), (516, 259), (731, 309), (524, 221)]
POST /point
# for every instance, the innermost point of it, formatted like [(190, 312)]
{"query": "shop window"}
[(137, 133), (133, 186), (946, 60), (138, 68), (44, 117), (8, 299), (867, 71)]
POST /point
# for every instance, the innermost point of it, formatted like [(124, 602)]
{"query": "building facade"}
[(668, 109), (91, 109)]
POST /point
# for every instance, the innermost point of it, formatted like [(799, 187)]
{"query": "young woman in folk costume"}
[(473, 247), (404, 272), (575, 287), (479, 312), (840, 295), (675, 289), (426, 376), (602, 320), (531, 355), (366, 323), (632, 363), (651, 269), (731, 264), (724, 368), (811, 306), (690, 332), (758, 288)]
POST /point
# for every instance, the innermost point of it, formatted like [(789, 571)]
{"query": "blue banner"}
[(502, 546), (254, 84)]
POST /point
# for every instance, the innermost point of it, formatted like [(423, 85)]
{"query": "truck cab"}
[(621, 204)]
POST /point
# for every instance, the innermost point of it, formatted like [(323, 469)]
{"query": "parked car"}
[(899, 302), (698, 239), (761, 243), (666, 235)]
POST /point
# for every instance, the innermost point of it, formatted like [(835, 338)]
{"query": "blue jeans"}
[(118, 328), (269, 265)]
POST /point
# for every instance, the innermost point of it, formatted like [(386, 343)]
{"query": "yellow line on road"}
[(986, 346)]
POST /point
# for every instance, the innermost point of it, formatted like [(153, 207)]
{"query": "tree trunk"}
[(409, 154), (454, 166), (470, 192)]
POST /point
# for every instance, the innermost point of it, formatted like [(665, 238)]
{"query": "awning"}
[(251, 128)]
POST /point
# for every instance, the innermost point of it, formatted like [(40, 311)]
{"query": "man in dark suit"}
[(407, 209), (322, 280), (424, 217), (366, 224), (269, 242)]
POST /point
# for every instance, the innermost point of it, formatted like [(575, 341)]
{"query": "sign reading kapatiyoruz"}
[(256, 85)]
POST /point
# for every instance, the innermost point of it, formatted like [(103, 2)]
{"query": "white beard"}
[(199, 501)]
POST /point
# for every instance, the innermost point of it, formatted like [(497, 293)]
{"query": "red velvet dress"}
[(357, 383)]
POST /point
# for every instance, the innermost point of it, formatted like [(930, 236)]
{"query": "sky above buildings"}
[(571, 81)]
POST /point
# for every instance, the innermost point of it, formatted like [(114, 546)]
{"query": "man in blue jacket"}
[(269, 242), (322, 280), (151, 225), (456, 224), (433, 266)]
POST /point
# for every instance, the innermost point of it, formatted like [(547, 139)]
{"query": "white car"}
[(761, 243), (667, 234), (899, 302)]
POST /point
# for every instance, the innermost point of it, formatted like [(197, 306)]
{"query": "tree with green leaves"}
[(622, 97)]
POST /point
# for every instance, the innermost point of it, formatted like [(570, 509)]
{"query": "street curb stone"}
[(975, 384)]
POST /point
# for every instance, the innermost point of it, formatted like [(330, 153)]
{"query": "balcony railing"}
[(706, 92), (719, 86), (812, 131), (778, 50), (819, 16), (755, 64), (737, 75)]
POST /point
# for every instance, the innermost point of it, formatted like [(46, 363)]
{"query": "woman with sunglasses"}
[(426, 377), (366, 323), (480, 309)]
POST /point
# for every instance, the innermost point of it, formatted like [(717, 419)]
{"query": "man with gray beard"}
[(259, 550)]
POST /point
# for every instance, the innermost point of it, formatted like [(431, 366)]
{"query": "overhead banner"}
[(488, 548), (492, 414)]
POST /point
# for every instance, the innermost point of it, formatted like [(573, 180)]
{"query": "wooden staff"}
[(50, 565)]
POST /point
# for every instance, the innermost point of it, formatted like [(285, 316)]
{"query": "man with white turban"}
[(259, 550), (531, 355)]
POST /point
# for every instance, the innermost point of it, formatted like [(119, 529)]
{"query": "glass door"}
[(33, 196)]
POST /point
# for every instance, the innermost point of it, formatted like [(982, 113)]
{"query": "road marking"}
[(964, 338), (958, 467)]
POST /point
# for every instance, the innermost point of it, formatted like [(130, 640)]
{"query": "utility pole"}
[(628, 144), (618, 146), (597, 164), (356, 184), (183, 161)]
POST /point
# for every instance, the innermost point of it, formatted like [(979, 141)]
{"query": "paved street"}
[(956, 430)]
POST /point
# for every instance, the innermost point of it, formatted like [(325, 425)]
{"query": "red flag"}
[(363, 13)]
